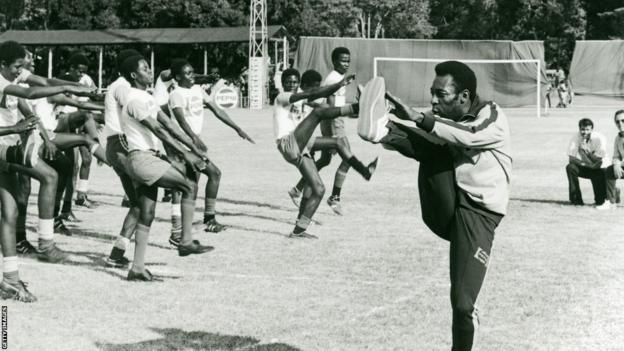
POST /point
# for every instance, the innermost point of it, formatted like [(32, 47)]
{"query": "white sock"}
[(82, 185), (176, 210), (9, 264), (122, 243), (46, 229)]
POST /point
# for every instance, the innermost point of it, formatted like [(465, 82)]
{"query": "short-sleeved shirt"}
[(340, 96), (140, 106), (161, 91), (114, 100), (597, 146), (45, 110), (191, 101), (9, 115), (286, 115)]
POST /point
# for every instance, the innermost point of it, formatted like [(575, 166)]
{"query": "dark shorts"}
[(116, 152)]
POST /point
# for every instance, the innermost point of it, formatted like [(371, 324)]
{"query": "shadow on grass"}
[(544, 201), (177, 339)]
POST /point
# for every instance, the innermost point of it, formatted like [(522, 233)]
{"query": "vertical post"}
[(276, 53), (286, 52), (100, 60), (205, 61), (539, 88), (50, 62), (152, 61)]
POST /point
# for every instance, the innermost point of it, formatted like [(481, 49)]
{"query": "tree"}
[(11, 9)]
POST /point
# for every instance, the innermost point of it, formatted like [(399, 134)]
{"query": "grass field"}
[(376, 279)]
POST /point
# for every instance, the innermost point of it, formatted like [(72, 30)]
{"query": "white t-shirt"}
[(340, 96), (140, 105), (114, 101), (161, 91), (45, 111), (286, 115), (9, 115), (191, 101)]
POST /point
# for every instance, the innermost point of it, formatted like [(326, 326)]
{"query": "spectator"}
[(616, 171)]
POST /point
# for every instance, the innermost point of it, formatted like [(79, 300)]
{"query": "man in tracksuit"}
[(463, 146)]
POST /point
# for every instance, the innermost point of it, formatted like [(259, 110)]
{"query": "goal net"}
[(510, 83)]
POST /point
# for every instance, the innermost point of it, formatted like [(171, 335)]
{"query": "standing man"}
[(333, 128), (463, 145), (616, 171), (586, 152)]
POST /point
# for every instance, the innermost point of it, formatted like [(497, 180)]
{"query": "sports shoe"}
[(24, 247), (17, 292), (145, 276), (373, 115), (212, 226), (193, 248), (605, 206), (116, 258), (174, 240), (83, 200), (69, 217), (303, 235), (60, 228), (52, 255), (334, 202), (371, 168), (295, 195), (167, 197), (30, 151)]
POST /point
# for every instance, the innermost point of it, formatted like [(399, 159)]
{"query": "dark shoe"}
[(60, 228), (167, 196), (213, 226), (303, 235), (85, 202), (174, 240), (193, 248), (117, 259), (25, 248), (52, 255), (16, 292), (144, 276)]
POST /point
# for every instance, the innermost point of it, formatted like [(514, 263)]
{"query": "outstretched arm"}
[(159, 130), (178, 114), (319, 92), (36, 92), (178, 134), (34, 79), (62, 99), (223, 117)]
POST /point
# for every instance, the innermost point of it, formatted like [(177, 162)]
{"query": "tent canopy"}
[(598, 67), (136, 36), (509, 84)]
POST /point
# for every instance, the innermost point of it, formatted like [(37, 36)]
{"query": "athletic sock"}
[(122, 243), (82, 185), (336, 192), (188, 209), (46, 233), (210, 209), (141, 237), (302, 224), (358, 166), (10, 273), (176, 218)]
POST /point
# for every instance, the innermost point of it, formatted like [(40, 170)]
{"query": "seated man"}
[(586, 151), (616, 171)]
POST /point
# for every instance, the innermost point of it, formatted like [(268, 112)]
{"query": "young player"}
[(341, 60), (463, 146), (293, 134), (12, 60), (151, 170), (186, 103)]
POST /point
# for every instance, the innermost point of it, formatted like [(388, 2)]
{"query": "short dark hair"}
[(78, 59), (11, 51), (177, 64), (463, 76), (618, 112), (130, 65), (290, 72), (310, 76), (335, 55), (585, 122), (123, 55)]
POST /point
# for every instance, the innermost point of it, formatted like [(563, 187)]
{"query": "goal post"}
[(377, 61)]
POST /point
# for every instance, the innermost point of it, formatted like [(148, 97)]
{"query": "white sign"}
[(226, 97), (256, 82)]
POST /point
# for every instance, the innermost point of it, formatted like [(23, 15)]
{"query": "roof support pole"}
[(286, 52), (50, 62), (100, 59), (152, 62), (276, 53), (205, 61)]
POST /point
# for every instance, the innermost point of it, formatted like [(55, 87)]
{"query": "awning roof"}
[(133, 36)]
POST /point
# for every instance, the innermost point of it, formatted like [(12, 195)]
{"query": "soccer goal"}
[(510, 83)]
